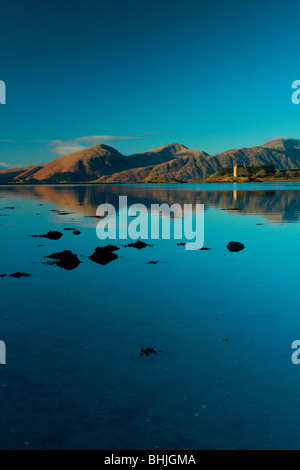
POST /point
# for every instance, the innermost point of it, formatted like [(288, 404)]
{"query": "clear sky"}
[(140, 74)]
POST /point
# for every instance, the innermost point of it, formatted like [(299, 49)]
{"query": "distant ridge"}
[(103, 163), (283, 143)]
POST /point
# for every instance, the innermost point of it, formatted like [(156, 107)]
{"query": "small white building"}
[(236, 170)]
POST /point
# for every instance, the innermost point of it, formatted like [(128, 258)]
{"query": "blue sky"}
[(137, 75)]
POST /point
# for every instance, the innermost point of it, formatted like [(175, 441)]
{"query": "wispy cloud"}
[(7, 166), (63, 147)]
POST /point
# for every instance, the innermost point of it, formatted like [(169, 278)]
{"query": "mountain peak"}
[(96, 151), (173, 148), (282, 143)]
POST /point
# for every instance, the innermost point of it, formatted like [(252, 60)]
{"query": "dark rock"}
[(3, 275), (76, 232), (204, 248), (69, 228), (156, 262), (52, 235), (65, 259), (18, 275), (148, 351), (104, 254), (139, 245), (235, 246), (181, 244)]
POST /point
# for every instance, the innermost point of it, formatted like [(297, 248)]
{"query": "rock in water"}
[(17, 275), (235, 246), (148, 351), (104, 254), (52, 235), (139, 245), (65, 260)]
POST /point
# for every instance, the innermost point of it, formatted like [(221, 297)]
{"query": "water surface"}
[(225, 322)]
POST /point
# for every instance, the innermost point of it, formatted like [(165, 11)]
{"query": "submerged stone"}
[(52, 235), (18, 275), (235, 246), (104, 254), (148, 351), (139, 245), (65, 259)]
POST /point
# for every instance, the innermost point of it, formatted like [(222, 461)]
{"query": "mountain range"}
[(105, 164)]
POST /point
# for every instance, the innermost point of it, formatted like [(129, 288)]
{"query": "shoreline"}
[(204, 181)]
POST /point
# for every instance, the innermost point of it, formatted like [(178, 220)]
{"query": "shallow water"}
[(74, 377)]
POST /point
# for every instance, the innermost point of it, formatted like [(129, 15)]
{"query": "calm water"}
[(74, 378)]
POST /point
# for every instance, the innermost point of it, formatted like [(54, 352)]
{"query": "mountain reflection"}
[(277, 205)]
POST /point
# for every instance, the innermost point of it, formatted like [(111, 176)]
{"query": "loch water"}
[(222, 323)]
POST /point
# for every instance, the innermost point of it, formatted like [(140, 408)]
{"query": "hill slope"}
[(91, 164), (282, 153), (196, 165)]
